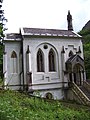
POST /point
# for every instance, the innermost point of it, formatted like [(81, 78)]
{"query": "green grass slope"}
[(18, 106)]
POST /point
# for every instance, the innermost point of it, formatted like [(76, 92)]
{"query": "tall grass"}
[(18, 106)]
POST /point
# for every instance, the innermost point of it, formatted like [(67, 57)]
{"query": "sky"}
[(50, 14)]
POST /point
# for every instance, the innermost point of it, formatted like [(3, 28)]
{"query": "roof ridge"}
[(45, 28)]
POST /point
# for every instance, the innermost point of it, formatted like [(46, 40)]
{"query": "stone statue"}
[(69, 20)]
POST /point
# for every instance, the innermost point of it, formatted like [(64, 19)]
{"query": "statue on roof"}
[(69, 20)]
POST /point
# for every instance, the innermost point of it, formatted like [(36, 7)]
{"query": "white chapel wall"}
[(12, 78), (35, 43)]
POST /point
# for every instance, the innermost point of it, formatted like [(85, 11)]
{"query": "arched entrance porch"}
[(75, 69)]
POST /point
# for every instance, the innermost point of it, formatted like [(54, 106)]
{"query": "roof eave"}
[(11, 40), (58, 36)]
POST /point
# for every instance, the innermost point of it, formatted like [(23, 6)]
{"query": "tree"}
[(2, 21), (85, 33), (2, 29)]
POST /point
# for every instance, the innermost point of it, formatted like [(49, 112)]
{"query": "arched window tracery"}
[(51, 58), (40, 61), (13, 62), (70, 53)]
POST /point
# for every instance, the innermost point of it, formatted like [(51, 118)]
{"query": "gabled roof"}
[(71, 58), (41, 32), (12, 36), (75, 58), (48, 32)]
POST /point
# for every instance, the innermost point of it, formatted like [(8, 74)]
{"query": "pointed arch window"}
[(70, 53), (40, 61), (51, 58), (13, 62)]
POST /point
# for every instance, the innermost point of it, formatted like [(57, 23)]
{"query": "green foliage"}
[(87, 58), (1, 60), (2, 29), (1, 53), (86, 43), (2, 22), (84, 32), (18, 106)]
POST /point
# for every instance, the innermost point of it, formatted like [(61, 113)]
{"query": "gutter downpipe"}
[(22, 60)]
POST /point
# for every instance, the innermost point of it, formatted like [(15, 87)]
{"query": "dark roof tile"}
[(49, 32), (13, 36)]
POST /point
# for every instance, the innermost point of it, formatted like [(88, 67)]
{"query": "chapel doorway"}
[(78, 74), (75, 69), (70, 77)]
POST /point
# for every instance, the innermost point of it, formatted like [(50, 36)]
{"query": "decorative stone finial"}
[(28, 51), (79, 50), (63, 51)]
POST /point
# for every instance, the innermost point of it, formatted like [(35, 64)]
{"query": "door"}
[(77, 74)]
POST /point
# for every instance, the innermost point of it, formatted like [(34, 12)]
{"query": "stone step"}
[(84, 90), (88, 81)]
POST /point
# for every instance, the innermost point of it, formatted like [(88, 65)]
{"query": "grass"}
[(18, 106), (1, 81)]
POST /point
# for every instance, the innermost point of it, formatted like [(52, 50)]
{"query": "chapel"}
[(43, 60)]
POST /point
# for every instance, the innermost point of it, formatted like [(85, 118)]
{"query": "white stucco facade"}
[(21, 57)]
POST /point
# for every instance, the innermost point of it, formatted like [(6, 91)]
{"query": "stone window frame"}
[(52, 60), (40, 61), (14, 62), (70, 53), (49, 95)]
